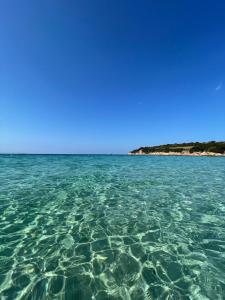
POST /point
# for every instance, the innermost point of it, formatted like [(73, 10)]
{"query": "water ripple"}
[(112, 227)]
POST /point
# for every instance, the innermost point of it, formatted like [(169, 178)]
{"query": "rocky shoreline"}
[(178, 154), (211, 148)]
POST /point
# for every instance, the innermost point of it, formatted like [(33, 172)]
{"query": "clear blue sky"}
[(109, 76)]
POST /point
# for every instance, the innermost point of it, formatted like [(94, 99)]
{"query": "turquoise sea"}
[(112, 227)]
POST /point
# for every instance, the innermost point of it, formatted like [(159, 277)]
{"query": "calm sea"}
[(112, 227)]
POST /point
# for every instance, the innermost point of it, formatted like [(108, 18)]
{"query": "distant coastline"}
[(185, 149), (179, 154)]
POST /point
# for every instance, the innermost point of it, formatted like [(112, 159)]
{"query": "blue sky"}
[(109, 76)]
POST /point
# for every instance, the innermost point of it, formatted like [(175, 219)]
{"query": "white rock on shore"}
[(185, 153)]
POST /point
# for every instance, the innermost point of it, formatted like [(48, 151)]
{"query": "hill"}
[(196, 148)]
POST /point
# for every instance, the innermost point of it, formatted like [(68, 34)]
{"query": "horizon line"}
[(12, 153)]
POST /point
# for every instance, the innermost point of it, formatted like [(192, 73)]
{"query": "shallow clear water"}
[(112, 227)]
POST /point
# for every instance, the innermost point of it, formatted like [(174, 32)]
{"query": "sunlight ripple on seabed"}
[(112, 227)]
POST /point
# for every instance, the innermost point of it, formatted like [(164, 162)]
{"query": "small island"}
[(211, 148)]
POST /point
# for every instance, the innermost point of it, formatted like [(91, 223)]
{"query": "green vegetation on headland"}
[(184, 149)]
